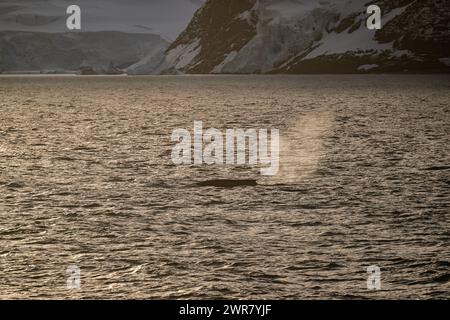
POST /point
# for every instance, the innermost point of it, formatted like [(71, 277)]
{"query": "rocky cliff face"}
[(216, 30), (299, 36)]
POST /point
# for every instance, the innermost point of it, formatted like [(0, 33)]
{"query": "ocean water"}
[(86, 179)]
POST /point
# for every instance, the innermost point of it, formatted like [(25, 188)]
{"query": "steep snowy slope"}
[(415, 37), (218, 29), (301, 36)]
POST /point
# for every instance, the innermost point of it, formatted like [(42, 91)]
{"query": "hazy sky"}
[(165, 17)]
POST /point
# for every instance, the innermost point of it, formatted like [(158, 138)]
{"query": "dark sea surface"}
[(86, 179)]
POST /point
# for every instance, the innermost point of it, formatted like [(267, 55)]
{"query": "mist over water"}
[(86, 179), (302, 146)]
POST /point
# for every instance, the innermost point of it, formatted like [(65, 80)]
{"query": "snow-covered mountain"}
[(88, 52), (301, 36), (225, 36), (116, 36)]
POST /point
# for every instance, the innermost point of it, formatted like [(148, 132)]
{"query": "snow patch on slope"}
[(184, 54), (359, 40), (179, 57), (367, 67), (229, 57), (150, 62), (445, 61), (334, 43)]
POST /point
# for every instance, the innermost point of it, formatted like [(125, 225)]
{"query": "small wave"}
[(64, 158), (225, 183), (437, 168), (15, 185), (92, 205), (443, 278)]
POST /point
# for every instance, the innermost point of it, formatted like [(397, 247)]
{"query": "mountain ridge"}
[(294, 36)]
